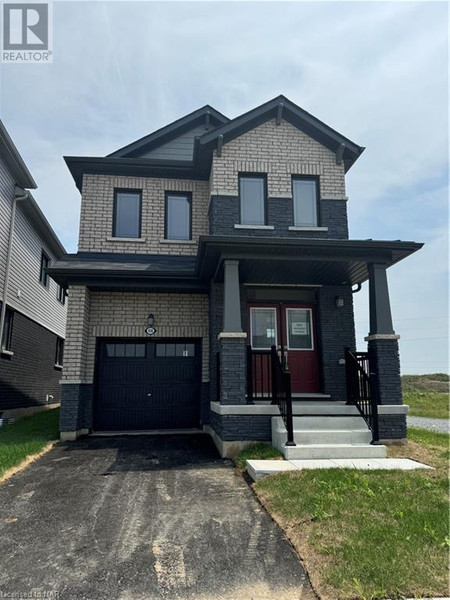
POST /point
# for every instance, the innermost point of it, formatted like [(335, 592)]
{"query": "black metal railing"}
[(359, 389), (259, 376), (281, 394)]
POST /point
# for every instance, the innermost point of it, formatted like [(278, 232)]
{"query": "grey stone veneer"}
[(232, 370), (385, 362), (224, 215), (242, 427), (392, 427), (76, 406)]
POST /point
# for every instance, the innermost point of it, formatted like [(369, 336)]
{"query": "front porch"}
[(317, 275)]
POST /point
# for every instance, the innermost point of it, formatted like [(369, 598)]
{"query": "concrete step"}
[(323, 408), (309, 422), (332, 436), (330, 451)]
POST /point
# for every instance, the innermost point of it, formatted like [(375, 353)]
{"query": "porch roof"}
[(298, 261)]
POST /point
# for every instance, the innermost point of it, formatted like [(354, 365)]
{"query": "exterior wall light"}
[(150, 320), (339, 302)]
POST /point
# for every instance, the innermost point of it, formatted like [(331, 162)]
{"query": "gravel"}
[(439, 425)]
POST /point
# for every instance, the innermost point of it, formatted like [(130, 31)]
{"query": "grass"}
[(26, 437), (256, 452), (427, 395), (370, 534)]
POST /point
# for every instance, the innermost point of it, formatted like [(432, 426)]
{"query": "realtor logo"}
[(26, 32)]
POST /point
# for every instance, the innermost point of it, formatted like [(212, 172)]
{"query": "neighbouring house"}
[(33, 306), (213, 289)]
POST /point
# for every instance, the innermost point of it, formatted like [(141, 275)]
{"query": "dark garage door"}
[(147, 385)]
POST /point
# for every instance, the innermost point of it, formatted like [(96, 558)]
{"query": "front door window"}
[(263, 328), (299, 332)]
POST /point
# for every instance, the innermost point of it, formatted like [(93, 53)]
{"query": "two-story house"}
[(33, 307), (210, 252)]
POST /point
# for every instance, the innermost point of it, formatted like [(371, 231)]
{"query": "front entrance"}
[(291, 328), (144, 384)]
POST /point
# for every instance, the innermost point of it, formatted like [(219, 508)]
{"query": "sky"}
[(377, 72)]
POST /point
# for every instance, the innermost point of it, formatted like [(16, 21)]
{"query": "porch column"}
[(232, 340), (384, 358)]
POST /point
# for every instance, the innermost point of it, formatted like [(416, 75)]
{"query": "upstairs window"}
[(127, 214), (252, 195), (59, 354), (178, 216), (7, 330), (305, 193), (61, 294), (45, 262)]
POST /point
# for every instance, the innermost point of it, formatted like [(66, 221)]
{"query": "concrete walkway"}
[(140, 518), (439, 425), (260, 468)]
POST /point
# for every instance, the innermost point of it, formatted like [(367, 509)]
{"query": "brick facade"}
[(97, 214), (29, 375)]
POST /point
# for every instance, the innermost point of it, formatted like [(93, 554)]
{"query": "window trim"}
[(43, 276), (315, 178), (187, 195), (262, 176), (61, 294), (59, 352), (9, 314), (114, 220)]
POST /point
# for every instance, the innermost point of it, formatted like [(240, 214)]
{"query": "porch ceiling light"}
[(150, 320), (339, 302)]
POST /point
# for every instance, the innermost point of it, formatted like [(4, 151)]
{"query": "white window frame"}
[(311, 325), (255, 308)]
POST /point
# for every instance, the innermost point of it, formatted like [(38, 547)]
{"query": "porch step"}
[(330, 451), (326, 421), (332, 436), (323, 408)]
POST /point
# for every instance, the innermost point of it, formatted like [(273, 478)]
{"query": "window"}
[(59, 352), (252, 195), (61, 294), (125, 350), (45, 262), (299, 329), (168, 350), (178, 216), (305, 192), (7, 329), (263, 328), (127, 214)]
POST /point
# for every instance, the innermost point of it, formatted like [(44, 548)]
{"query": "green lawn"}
[(370, 534), (257, 451), (427, 395), (28, 436)]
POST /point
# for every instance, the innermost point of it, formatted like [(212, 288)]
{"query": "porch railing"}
[(359, 389), (281, 394), (259, 375)]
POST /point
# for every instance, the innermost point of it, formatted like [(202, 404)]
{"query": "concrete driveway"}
[(141, 518)]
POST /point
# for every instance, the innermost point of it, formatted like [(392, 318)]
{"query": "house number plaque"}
[(150, 331)]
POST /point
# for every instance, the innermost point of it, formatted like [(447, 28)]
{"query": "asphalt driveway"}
[(141, 518)]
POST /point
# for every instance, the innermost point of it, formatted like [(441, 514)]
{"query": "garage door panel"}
[(154, 392)]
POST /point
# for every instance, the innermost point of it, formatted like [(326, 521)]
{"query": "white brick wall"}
[(124, 314), (280, 151), (97, 214)]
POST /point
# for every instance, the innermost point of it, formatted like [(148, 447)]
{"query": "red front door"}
[(291, 328)]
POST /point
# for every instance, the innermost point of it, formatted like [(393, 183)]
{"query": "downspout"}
[(19, 194)]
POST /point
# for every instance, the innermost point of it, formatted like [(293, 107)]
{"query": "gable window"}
[(178, 216), (61, 294), (7, 329), (45, 262), (127, 214), (305, 193), (59, 355), (252, 197)]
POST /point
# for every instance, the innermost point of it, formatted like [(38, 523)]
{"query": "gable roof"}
[(205, 115), (11, 156), (282, 108)]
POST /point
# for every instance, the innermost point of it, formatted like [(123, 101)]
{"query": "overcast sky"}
[(375, 71)]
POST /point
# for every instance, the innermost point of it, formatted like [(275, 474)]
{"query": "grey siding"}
[(6, 197), (180, 148), (25, 292)]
